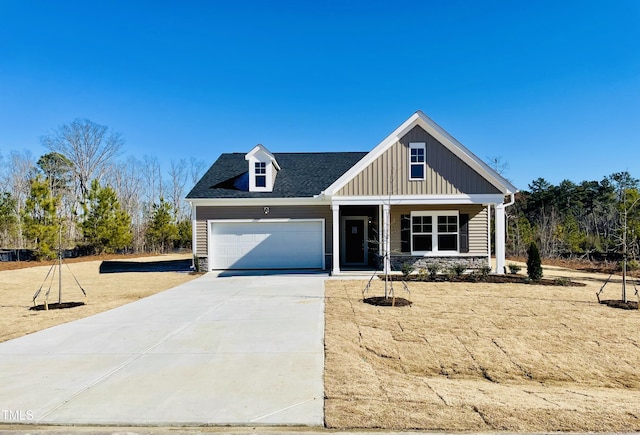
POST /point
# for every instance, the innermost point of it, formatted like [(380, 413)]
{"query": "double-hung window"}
[(448, 233), (417, 152), (434, 232), (422, 233), (261, 174)]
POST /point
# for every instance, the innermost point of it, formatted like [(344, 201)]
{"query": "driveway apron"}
[(239, 350)]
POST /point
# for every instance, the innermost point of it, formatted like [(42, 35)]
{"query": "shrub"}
[(563, 281), (484, 271), (422, 274), (433, 269), (534, 264), (514, 268), (631, 265), (407, 268), (458, 269)]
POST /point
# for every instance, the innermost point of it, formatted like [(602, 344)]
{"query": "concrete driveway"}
[(238, 350)]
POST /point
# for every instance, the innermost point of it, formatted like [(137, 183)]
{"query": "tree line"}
[(590, 220), (83, 194)]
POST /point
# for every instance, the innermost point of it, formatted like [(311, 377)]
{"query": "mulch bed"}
[(381, 301), (57, 306), (492, 279), (617, 303)]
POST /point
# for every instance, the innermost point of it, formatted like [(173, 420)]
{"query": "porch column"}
[(194, 236), (386, 237), (336, 239), (500, 238)]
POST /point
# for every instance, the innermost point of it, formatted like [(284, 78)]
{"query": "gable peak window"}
[(417, 160)]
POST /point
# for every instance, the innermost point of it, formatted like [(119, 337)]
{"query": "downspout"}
[(193, 237), (512, 201), (501, 232)]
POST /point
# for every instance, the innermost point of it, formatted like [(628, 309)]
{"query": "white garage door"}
[(290, 244)]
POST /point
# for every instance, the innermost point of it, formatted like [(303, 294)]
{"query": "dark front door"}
[(354, 241)]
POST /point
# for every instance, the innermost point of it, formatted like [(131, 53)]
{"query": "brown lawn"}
[(105, 291), (483, 357)]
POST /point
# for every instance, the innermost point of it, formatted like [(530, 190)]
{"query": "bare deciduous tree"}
[(153, 176), (177, 182), (17, 181), (126, 178), (89, 146), (197, 168)]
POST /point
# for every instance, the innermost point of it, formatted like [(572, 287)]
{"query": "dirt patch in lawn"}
[(104, 290), (483, 357)]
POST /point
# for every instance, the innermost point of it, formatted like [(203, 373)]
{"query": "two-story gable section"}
[(418, 197), (417, 164), (433, 198)]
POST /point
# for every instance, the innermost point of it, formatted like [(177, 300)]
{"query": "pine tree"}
[(534, 264), (106, 227), (162, 230), (41, 223)]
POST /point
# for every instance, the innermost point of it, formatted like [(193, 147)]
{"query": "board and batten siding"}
[(478, 243), (445, 173), (205, 213)]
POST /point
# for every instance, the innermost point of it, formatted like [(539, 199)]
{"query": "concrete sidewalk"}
[(241, 350)]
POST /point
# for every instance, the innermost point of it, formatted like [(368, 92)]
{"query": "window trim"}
[(434, 232), (423, 147), (266, 172), (260, 171)]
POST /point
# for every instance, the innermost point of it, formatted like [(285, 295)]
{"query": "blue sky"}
[(551, 87)]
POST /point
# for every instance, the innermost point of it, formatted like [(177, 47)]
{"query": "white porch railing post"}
[(500, 238), (336, 239)]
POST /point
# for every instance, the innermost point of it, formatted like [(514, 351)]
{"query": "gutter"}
[(511, 201)]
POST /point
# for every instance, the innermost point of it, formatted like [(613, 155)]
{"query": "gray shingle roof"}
[(301, 175)]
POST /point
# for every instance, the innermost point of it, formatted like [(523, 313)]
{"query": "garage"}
[(267, 244)]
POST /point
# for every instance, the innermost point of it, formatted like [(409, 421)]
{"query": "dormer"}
[(262, 169)]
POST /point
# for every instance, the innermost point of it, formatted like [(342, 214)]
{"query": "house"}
[(418, 197)]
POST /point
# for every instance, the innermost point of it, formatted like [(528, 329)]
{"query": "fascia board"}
[(465, 154), (240, 202), (419, 199), (261, 148)]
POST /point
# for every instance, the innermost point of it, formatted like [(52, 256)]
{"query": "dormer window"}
[(261, 174), (263, 169), (417, 152)]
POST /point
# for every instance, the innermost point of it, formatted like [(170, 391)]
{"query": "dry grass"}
[(105, 291), (482, 357)]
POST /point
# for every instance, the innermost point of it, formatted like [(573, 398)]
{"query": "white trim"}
[(335, 242), (261, 155), (500, 238), (194, 223), (353, 200), (266, 201), (489, 234), (419, 118), (278, 220), (343, 242), (423, 147), (434, 233), (268, 220), (263, 149), (386, 237), (419, 199)]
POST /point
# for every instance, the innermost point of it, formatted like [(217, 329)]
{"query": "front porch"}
[(384, 237)]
